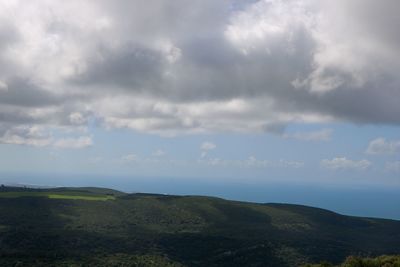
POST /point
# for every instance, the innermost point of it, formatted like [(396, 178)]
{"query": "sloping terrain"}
[(161, 230), (381, 261)]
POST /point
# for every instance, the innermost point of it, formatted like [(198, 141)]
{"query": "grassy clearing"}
[(98, 198), (58, 195)]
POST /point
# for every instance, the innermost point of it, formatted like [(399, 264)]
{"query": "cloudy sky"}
[(240, 90)]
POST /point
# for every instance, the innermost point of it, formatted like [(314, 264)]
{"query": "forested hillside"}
[(98, 227)]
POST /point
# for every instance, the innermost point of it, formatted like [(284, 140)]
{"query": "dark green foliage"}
[(382, 261), (161, 230)]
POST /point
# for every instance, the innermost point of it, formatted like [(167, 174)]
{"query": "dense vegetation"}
[(118, 229), (382, 261)]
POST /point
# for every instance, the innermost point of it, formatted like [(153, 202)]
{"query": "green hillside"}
[(101, 227), (382, 261)]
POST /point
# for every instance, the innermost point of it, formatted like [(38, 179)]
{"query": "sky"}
[(173, 96)]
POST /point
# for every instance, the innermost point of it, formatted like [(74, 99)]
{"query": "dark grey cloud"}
[(133, 68), (22, 92), (275, 128), (171, 67)]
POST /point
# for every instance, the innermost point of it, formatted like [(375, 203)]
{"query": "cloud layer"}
[(177, 67), (342, 163), (381, 146)]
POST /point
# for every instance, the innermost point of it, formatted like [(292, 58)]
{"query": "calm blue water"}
[(370, 201)]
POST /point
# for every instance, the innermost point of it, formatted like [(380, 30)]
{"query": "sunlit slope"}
[(58, 195)]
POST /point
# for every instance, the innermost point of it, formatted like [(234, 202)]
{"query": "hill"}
[(100, 227)]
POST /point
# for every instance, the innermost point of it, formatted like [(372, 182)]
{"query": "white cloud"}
[(393, 166), (342, 163), (31, 136), (129, 158), (159, 153), (74, 143), (3, 86), (207, 146), (380, 146), (321, 135), (39, 136), (76, 118), (252, 162)]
